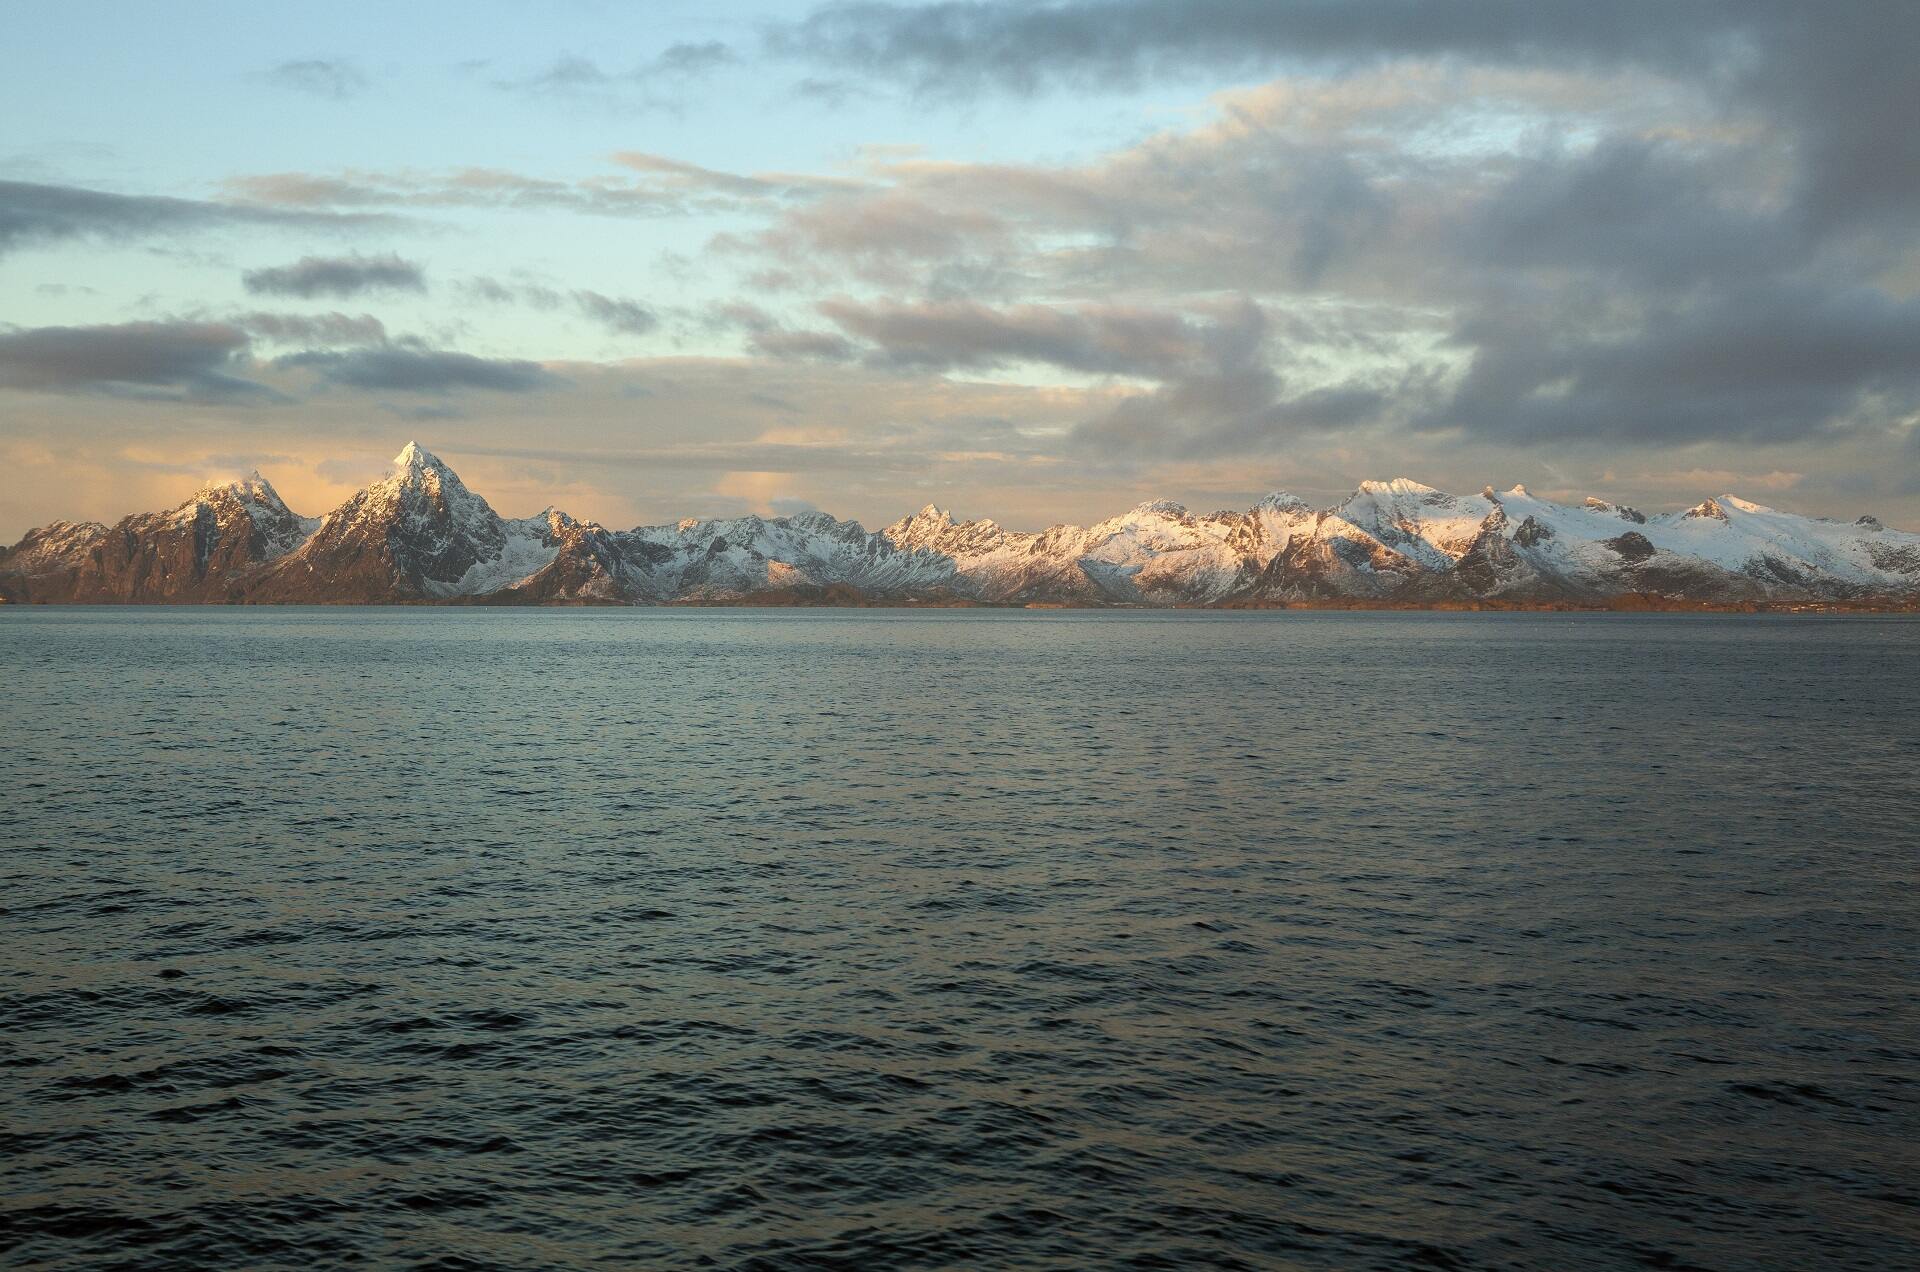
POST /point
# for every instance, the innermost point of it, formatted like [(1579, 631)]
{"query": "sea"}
[(749, 939)]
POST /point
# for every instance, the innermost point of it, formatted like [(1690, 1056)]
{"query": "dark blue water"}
[(452, 938)]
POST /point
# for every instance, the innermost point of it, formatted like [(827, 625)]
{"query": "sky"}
[(1035, 262)]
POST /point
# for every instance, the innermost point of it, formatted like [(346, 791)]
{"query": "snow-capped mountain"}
[(419, 535), (202, 550)]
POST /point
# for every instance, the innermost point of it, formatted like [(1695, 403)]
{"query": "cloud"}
[(660, 83), (496, 291), (769, 338), (628, 317), (1657, 213), (821, 345), (310, 329), (337, 78), (1835, 77), (312, 276), (616, 313), (405, 370), (658, 186), (1216, 387), (1108, 340), (34, 213), (1487, 227), (1007, 44), (1764, 362), (192, 359)]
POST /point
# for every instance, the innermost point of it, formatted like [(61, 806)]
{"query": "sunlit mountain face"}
[(419, 534)]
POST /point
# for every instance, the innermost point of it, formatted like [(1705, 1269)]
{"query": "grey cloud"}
[(1768, 362), (1655, 213), (312, 276), (438, 411), (190, 359), (498, 292), (406, 370), (655, 84), (1729, 166), (965, 45), (821, 345), (628, 317), (1110, 340), (616, 313), (1838, 76), (323, 77), (881, 235), (310, 329), (32, 213), (692, 58), (832, 93), (1218, 391), (768, 337)]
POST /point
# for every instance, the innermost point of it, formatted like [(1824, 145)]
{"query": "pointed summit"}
[(414, 457), (417, 468), (1706, 510)]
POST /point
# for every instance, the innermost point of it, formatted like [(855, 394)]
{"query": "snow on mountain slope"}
[(202, 549), (420, 534), (416, 533), (1156, 553), (1428, 527), (62, 545), (1727, 546), (275, 527)]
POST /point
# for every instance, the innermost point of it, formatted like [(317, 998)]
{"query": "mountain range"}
[(420, 535)]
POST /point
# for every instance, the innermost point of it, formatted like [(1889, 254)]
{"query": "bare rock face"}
[(1631, 546), (588, 568), (420, 535), (45, 564), (207, 549)]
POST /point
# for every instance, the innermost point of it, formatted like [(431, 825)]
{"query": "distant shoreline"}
[(1629, 604)]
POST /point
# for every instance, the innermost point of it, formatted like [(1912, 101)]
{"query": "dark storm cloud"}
[(312, 276), (405, 370), (32, 213), (1655, 213), (172, 359), (323, 77), (1761, 363), (1715, 247), (1839, 75)]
